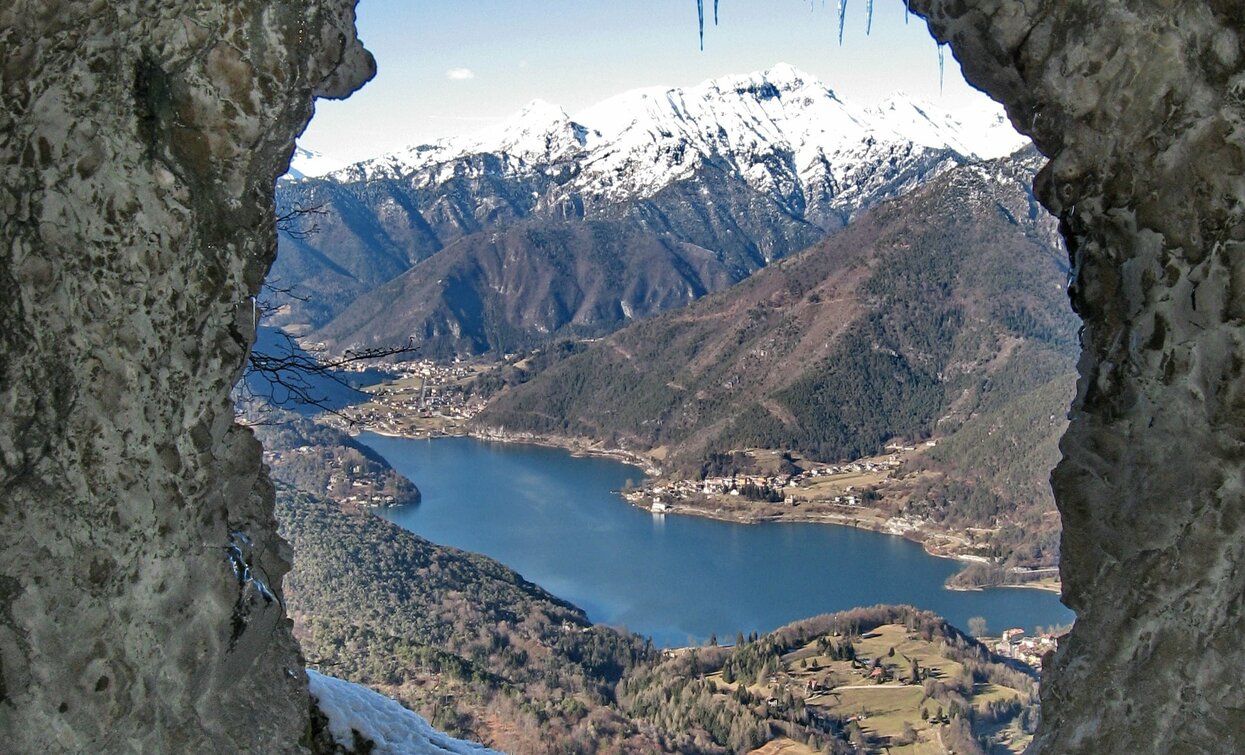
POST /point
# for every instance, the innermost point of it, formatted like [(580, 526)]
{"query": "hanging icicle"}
[(842, 19), (869, 18), (715, 12), (942, 65), (700, 14), (907, 11)]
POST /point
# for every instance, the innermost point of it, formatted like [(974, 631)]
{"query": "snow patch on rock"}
[(394, 729)]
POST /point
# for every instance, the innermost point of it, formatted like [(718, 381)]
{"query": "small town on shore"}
[(428, 399), (424, 399)]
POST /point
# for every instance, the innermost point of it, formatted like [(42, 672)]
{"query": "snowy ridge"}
[(983, 132), (394, 729), (782, 131), (307, 163)]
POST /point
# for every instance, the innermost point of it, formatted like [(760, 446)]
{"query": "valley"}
[(750, 486), (912, 346), (484, 653), (786, 312)]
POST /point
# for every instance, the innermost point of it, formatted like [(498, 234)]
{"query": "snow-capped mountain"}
[(781, 131), (711, 182)]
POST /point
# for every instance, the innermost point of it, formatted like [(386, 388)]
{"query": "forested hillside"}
[(516, 288), (995, 473), (927, 311), (458, 637), (485, 655)]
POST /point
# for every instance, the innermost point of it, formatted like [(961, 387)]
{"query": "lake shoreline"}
[(576, 449), (646, 464), (513, 501), (843, 521)]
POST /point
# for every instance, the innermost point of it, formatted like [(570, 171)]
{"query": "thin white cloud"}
[(460, 74)]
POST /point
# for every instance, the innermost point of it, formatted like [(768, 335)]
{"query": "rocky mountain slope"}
[(941, 313), (925, 312), (685, 191)]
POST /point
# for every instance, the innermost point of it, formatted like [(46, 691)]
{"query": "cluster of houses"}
[(351, 483), (900, 447), (364, 494), (660, 497), (436, 396), (347, 485), (1031, 650)]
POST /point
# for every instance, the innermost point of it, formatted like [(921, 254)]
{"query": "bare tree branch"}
[(292, 221), (288, 375)]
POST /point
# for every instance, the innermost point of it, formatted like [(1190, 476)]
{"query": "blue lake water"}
[(555, 519)]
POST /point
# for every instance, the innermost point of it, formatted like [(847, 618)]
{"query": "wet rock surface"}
[(140, 568), (1140, 105)]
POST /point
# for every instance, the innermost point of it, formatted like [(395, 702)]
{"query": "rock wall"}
[(140, 568), (1140, 104)]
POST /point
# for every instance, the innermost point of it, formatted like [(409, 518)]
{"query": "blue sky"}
[(448, 67)]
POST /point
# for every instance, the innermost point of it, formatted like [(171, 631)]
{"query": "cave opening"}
[(1057, 274), (129, 266)]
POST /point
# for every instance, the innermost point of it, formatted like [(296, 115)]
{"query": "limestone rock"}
[(1140, 104), (140, 569)]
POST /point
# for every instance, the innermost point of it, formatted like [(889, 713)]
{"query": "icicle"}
[(907, 11), (842, 19), (715, 12), (942, 65), (700, 13), (869, 18)]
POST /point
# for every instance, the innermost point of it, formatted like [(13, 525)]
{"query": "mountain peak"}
[(772, 83), (641, 141), (540, 130), (787, 76), (541, 110)]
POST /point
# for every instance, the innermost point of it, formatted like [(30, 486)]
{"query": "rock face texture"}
[(1140, 104), (140, 568), (139, 565)]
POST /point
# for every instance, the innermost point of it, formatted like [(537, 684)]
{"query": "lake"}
[(556, 519)]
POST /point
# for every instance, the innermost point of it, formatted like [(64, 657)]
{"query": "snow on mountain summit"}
[(541, 130), (307, 163), (781, 131), (983, 132)]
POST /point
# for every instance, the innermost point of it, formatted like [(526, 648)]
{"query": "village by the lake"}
[(429, 399)]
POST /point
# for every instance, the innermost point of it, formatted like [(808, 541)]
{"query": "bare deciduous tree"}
[(285, 375)]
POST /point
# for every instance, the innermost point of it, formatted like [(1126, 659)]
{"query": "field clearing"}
[(828, 487), (784, 746), (883, 708), (885, 711)]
